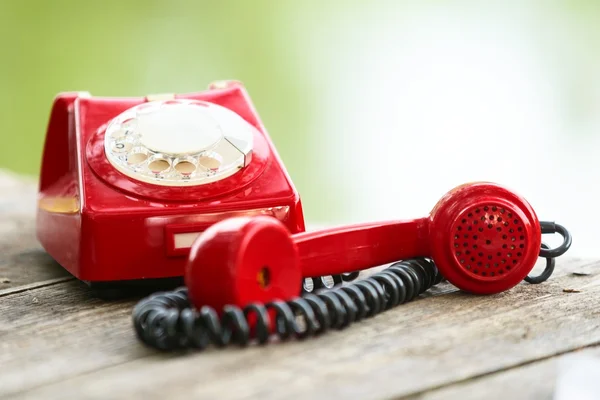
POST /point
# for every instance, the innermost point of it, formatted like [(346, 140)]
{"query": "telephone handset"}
[(483, 238), (127, 184), (242, 274)]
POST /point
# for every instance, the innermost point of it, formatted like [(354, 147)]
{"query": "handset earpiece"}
[(483, 238)]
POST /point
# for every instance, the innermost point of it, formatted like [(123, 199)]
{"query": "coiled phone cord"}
[(168, 321)]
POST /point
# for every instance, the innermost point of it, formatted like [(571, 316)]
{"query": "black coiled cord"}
[(167, 320)]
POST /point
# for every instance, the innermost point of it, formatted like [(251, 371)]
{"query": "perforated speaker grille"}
[(489, 241)]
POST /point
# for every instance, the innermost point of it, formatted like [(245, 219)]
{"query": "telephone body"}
[(127, 184)]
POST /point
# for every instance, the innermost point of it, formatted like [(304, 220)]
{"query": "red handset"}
[(483, 238)]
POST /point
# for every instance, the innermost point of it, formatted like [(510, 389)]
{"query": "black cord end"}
[(548, 227), (552, 227)]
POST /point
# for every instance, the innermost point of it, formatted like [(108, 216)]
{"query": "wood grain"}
[(531, 381), (22, 260), (55, 332), (61, 341)]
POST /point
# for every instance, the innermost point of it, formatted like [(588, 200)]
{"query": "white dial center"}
[(178, 129)]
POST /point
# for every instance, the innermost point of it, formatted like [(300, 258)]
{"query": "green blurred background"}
[(376, 107)]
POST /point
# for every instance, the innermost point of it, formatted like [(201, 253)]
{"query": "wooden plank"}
[(34, 285), (538, 380), (58, 331), (21, 265), (60, 341), (22, 260)]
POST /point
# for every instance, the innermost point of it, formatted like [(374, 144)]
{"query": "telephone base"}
[(101, 224)]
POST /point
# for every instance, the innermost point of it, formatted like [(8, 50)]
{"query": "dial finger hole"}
[(147, 108), (137, 158), (185, 167), (210, 163), (118, 133), (158, 165), (128, 124)]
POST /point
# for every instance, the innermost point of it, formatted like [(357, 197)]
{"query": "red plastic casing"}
[(102, 225)]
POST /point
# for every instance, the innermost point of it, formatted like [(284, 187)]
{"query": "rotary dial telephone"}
[(127, 184), (191, 187)]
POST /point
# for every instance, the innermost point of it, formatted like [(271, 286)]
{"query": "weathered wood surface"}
[(57, 340), (22, 260), (537, 380)]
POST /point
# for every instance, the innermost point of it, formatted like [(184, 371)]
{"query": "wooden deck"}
[(58, 340)]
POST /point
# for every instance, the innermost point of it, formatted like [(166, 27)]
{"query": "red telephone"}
[(127, 184), (242, 278), (137, 188)]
